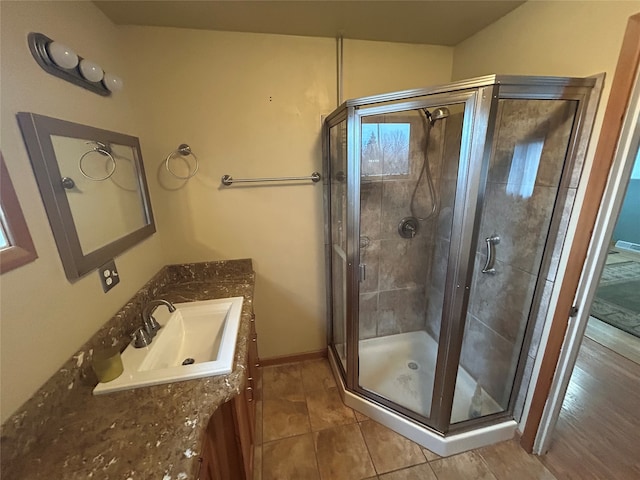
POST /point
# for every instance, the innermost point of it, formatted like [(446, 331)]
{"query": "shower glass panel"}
[(528, 155), (338, 213), (408, 176)]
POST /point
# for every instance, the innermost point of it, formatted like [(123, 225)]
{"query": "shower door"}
[(528, 157), (413, 172)]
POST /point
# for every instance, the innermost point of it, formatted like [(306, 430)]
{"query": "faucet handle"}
[(153, 325), (141, 338)]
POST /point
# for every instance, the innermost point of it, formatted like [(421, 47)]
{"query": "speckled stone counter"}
[(64, 432)]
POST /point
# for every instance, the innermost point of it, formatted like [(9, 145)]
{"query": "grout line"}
[(366, 445), (426, 462)]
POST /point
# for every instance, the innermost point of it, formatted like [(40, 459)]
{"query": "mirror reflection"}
[(93, 187), (102, 177)]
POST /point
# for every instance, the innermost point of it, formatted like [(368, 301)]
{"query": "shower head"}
[(438, 114)]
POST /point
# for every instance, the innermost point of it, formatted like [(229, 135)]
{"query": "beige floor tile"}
[(284, 418), (390, 451), (342, 454), (317, 374), (290, 459), (417, 472), (360, 417), (282, 382), (508, 460), (327, 410), (462, 467), (430, 455)]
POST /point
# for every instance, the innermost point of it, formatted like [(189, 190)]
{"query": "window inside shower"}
[(385, 149)]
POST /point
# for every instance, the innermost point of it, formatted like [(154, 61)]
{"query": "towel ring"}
[(183, 150), (103, 149)]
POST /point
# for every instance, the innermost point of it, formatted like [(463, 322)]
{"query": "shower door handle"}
[(491, 241)]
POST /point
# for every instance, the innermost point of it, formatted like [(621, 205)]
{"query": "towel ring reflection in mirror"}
[(183, 150), (102, 149)]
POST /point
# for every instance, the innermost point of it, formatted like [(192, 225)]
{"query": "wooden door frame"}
[(620, 93)]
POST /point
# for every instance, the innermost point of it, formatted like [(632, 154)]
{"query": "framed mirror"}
[(93, 188)]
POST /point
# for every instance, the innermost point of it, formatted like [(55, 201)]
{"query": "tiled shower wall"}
[(392, 296), (527, 160)]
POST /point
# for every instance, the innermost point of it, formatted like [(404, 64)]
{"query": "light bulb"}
[(62, 55), (112, 82), (91, 71)]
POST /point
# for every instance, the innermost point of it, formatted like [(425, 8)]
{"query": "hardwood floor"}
[(598, 432), (614, 339)]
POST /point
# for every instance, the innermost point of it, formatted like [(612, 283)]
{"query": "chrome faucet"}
[(150, 324)]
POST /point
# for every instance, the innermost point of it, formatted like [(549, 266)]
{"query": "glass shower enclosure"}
[(442, 208)]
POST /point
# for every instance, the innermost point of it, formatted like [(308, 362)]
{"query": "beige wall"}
[(367, 67), (565, 38), (250, 105), (44, 318), (570, 38)]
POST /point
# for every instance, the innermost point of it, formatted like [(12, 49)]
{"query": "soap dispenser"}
[(475, 409)]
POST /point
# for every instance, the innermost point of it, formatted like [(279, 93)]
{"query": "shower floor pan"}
[(401, 368), (385, 369)]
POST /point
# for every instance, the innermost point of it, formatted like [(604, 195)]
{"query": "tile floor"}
[(304, 431)]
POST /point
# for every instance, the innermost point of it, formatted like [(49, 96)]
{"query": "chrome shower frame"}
[(480, 96)]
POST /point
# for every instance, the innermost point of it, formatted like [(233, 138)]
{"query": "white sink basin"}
[(205, 332)]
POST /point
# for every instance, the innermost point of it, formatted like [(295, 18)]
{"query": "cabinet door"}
[(222, 456), (244, 431)]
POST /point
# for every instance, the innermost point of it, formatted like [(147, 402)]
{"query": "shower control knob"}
[(408, 227)]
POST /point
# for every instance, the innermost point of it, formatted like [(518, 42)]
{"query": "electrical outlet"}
[(109, 277)]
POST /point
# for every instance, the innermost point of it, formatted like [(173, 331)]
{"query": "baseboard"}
[(296, 357)]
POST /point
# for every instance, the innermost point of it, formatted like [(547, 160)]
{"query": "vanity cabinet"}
[(228, 449)]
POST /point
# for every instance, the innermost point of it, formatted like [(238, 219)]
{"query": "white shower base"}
[(384, 369)]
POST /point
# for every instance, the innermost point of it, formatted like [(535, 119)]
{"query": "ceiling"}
[(419, 21)]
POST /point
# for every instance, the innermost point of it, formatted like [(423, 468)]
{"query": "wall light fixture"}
[(61, 61)]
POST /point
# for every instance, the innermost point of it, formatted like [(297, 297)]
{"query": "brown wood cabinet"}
[(228, 448)]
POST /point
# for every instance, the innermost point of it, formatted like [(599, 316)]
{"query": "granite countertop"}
[(146, 433)]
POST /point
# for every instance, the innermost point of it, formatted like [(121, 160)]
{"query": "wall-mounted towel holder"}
[(183, 150), (229, 180)]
